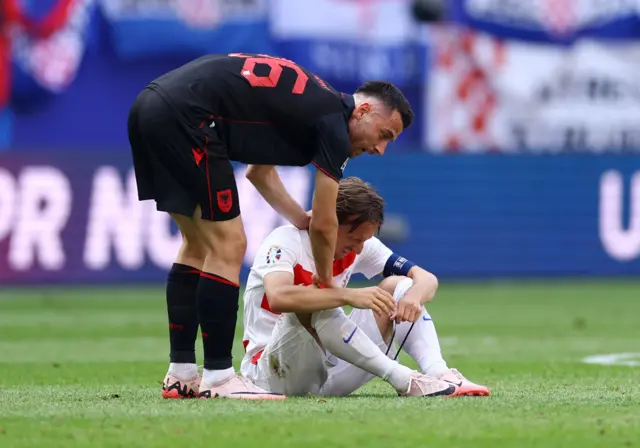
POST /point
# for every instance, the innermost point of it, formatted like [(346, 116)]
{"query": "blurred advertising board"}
[(147, 28), (552, 21), (74, 218), (351, 40)]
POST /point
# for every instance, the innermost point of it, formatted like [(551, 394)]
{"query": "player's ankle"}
[(183, 370), (435, 369), (215, 377), (400, 377)]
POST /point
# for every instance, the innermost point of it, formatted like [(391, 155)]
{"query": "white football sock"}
[(422, 341), (214, 377), (345, 377), (343, 338), (184, 371)]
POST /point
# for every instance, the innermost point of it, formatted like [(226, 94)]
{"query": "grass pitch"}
[(83, 367)]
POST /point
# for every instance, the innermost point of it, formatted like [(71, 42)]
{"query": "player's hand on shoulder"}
[(304, 221), (373, 298)]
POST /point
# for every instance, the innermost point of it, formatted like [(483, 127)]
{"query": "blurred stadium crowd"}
[(523, 160)]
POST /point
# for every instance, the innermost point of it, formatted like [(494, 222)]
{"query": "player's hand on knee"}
[(376, 299), (408, 310)]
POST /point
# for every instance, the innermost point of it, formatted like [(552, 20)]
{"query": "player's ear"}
[(362, 109)]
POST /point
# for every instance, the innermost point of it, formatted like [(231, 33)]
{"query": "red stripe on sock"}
[(218, 279)]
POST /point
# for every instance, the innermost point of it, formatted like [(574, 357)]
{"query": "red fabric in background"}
[(11, 13)]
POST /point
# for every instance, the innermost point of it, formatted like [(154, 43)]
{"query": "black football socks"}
[(182, 285), (217, 300)]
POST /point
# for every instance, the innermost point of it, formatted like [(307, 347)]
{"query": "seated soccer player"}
[(298, 339)]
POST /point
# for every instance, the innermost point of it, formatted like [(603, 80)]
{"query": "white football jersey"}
[(288, 249)]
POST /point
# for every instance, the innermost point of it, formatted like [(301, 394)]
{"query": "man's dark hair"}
[(391, 96), (358, 202)]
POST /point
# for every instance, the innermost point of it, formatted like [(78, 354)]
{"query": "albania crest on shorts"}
[(225, 200), (273, 254)]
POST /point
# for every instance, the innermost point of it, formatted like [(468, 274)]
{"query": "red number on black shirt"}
[(276, 65)]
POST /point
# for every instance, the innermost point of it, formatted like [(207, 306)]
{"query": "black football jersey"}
[(267, 110)]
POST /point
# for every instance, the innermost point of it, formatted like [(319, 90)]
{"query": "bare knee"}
[(385, 326), (231, 248), (305, 321), (192, 250), (223, 240), (226, 245), (191, 253), (193, 246)]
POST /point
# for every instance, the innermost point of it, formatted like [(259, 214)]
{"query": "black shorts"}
[(180, 164)]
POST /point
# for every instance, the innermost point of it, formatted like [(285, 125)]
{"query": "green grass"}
[(82, 368)]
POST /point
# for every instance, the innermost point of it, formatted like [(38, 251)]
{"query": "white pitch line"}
[(614, 359)]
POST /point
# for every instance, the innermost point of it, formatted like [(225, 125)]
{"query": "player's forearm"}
[(266, 180), (304, 299), (323, 245), (425, 284)]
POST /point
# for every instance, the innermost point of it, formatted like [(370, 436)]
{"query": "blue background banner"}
[(125, 45), (74, 218), (354, 62), (559, 22), (157, 29), (475, 216)]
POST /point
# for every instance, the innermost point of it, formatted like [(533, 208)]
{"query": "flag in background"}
[(5, 84), (49, 50), (492, 95), (41, 45), (147, 28), (551, 21), (350, 40)]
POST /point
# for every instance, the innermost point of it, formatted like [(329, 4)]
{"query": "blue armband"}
[(397, 265)]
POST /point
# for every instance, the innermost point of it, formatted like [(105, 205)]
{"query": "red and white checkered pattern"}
[(466, 100), (488, 95), (53, 61)]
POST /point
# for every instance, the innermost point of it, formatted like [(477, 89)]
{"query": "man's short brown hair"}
[(358, 202)]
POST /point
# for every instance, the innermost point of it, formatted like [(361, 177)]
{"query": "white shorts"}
[(294, 364)]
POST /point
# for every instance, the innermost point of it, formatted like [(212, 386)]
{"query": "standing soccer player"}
[(186, 127)]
